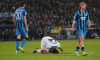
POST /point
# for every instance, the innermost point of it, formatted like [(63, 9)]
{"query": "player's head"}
[(54, 50), (22, 4), (54, 47), (83, 5)]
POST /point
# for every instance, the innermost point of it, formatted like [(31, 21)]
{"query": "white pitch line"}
[(91, 53)]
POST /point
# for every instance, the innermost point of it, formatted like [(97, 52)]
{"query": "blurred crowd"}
[(7, 34), (42, 13)]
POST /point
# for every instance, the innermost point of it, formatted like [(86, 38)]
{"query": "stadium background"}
[(49, 17), (43, 15)]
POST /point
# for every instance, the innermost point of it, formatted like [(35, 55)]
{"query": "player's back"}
[(48, 40), (19, 17)]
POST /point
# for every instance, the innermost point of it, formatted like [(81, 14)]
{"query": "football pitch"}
[(92, 47)]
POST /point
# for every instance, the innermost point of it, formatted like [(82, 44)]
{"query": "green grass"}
[(92, 46)]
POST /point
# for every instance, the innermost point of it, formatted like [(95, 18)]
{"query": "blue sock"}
[(17, 45), (82, 49), (23, 43), (77, 49)]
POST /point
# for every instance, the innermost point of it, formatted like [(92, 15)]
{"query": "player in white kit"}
[(48, 45)]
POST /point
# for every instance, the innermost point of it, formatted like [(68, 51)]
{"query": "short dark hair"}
[(54, 51), (22, 3)]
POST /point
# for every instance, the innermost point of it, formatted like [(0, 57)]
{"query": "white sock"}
[(39, 50)]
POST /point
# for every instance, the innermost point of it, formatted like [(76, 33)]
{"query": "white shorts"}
[(43, 45)]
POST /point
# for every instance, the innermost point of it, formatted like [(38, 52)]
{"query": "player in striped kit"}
[(81, 18), (20, 21)]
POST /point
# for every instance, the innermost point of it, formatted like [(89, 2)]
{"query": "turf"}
[(92, 46)]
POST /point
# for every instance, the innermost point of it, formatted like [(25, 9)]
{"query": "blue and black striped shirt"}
[(19, 17), (81, 20)]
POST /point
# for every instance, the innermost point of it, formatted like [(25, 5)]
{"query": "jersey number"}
[(18, 15)]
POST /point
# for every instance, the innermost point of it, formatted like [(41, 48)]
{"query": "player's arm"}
[(14, 19), (73, 24), (74, 21), (89, 23), (61, 49), (25, 22)]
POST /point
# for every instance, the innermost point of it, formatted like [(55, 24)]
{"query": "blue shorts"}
[(20, 31), (80, 32)]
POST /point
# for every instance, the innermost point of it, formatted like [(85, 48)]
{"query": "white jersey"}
[(47, 43)]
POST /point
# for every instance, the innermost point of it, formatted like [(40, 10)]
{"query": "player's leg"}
[(82, 42), (78, 47), (78, 44), (42, 47), (23, 31), (82, 45), (23, 43), (17, 43), (37, 50), (18, 33)]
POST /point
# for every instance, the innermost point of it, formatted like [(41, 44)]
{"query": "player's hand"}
[(72, 29), (89, 25)]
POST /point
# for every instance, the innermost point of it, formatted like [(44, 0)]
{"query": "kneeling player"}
[(48, 45)]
